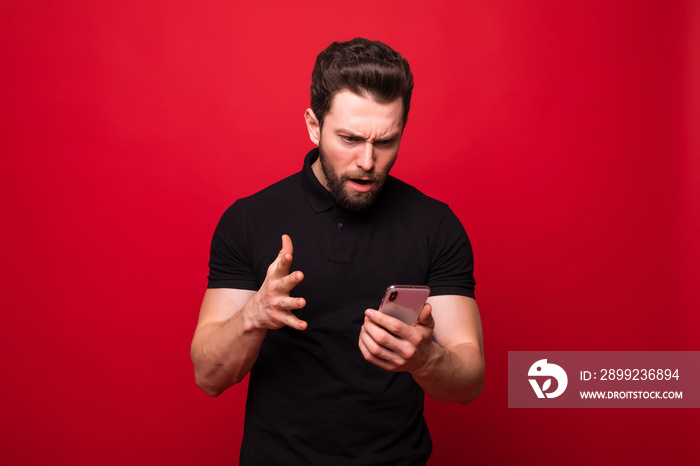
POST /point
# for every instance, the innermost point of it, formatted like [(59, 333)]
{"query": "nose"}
[(365, 158)]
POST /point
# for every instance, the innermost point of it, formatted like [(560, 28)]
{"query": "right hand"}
[(271, 307)]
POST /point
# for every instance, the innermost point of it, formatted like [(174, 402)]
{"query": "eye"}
[(349, 139), (384, 142)]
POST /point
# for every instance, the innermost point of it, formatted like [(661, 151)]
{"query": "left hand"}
[(394, 346)]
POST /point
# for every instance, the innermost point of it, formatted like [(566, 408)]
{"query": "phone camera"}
[(393, 295)]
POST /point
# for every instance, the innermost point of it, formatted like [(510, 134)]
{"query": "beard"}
[(348, 199)]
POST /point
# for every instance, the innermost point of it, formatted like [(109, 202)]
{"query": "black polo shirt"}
[(312, 397)]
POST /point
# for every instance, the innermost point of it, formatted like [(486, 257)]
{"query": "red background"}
[(563, 134)]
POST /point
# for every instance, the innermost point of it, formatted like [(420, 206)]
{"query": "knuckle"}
[(280, 286), (272, 267), (376, 349), (382, 338), (278, 316), (414, 340), (284, 305), (295, 278), (369, 345), (393, 326)]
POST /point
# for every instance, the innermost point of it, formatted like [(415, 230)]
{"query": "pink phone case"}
[(404, 302)]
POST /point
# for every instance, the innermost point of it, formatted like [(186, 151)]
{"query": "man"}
[(332, 380)]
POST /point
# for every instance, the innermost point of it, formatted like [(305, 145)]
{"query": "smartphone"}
[(404, 302)]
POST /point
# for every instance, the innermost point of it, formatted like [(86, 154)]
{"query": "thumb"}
[(282, 264), (426, 316), (287, 246)]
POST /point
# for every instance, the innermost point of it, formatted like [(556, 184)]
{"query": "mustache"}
[(372, 176)]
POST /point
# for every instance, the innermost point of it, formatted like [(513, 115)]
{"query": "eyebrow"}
[(343, 131)]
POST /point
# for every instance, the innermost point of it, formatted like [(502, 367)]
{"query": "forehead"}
[(363, 114)]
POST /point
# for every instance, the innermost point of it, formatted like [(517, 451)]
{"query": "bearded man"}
[(332, 380)]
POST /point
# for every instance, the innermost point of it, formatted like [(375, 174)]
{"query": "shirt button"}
[(340, 225)]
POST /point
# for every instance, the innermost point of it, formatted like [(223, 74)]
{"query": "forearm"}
[(224, 352), (452, 374), (233, 324)]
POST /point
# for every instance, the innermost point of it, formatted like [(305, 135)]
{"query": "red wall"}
[(563, 134)]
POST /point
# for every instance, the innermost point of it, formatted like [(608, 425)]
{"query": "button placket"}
[(342, 248)]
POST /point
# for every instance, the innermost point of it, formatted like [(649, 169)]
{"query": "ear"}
[(313, 126)]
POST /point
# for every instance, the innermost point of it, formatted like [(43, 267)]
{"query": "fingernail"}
[(369, 313)]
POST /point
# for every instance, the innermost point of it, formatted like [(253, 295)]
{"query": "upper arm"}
[(457, 321), (220, 304)]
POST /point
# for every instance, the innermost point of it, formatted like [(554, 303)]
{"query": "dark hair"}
[(361, 66)]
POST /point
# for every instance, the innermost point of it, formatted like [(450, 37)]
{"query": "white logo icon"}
[(543, 369)]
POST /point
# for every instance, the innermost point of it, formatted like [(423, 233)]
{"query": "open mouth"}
[(362, 185), (361, 181)]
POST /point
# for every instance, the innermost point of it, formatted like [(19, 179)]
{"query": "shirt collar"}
[(318, 196)]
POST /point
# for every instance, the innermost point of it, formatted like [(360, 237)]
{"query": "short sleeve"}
[(229, 260), (452, 264)]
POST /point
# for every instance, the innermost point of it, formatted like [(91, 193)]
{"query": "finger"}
[(290, 281), (287, 246), (374, 353), (380, 335), (295, 323), (387, 322), (284, 258), (291, 303), (426, 316), (365, 351)]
